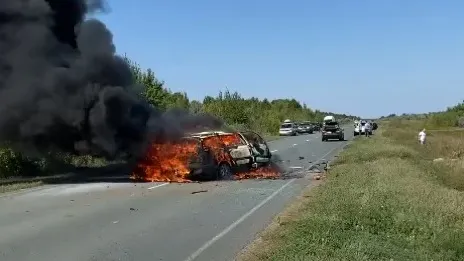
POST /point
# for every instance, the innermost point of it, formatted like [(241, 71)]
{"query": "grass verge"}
[(384, 199)]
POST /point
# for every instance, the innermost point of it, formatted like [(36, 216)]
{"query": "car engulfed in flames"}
[(213, 155)]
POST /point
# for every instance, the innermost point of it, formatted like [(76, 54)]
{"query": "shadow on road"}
[(115, 173)]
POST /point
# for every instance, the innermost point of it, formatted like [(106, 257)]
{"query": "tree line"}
[(261, 115)]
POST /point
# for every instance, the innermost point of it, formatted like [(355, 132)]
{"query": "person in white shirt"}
[(367, 129), (422, 135)]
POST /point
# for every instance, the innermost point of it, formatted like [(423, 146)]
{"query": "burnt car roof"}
[(205, 134)]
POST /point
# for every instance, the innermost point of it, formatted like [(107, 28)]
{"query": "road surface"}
[(154, 221)]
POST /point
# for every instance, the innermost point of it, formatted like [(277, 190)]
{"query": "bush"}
[(14, 164)]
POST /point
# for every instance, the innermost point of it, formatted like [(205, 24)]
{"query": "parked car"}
[(359, 128), (316, 126), (288, 129), (305, 127)]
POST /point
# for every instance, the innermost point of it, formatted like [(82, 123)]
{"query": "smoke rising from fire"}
[(63, 88)]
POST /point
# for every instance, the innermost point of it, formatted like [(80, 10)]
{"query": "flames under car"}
[(205, 155)]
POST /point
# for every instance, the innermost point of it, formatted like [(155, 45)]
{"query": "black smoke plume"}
[(64, 89)]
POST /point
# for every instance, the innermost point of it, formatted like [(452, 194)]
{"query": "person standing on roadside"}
[(367, 128), (422, 136)]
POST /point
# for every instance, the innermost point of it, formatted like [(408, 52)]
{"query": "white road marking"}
[(274, 150), (159, 185), (295, 167), (236, 223)]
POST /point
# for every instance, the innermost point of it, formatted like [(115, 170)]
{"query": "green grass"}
[(384, 199)]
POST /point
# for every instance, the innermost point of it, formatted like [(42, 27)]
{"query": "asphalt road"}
[(154, 221)]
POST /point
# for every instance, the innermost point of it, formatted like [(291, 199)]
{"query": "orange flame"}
[(168, 162), (259, 173)]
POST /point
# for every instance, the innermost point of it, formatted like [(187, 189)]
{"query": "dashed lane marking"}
[(159, 185), (197, 253)]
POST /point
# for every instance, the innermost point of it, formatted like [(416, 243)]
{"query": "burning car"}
[(206, 155)]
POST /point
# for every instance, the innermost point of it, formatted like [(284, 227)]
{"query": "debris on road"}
[(199, 191), (116, 222), (133, 209), (314, 169), (301, 158)]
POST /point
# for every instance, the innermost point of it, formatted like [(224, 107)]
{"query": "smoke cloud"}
[(64, 89)]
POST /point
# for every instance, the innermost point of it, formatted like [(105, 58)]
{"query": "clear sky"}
[(363, 57)]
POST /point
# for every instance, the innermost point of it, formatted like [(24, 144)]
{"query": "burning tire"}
[(224, 172)]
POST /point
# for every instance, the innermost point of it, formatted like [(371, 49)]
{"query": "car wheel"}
[(225, 172)]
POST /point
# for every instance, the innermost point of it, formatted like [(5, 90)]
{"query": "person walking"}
[(367, 129), (422, 137)]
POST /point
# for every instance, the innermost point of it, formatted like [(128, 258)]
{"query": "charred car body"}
[(204, 156), (222, 154)]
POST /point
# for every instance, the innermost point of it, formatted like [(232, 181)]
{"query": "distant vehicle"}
[(332, 130), (305, 127), (288, 129), (316, 126), (359, 128)]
